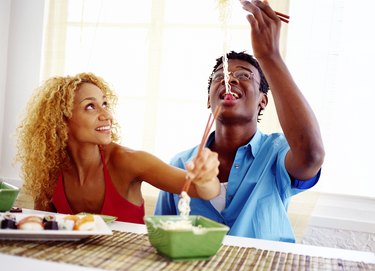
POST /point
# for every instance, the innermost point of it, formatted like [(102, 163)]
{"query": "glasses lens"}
[(243, 75), (218, 76)]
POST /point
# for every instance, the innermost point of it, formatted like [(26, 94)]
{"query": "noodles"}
[(182, 225), (184, 205), (176, 225), (224, 11), (184, 202)]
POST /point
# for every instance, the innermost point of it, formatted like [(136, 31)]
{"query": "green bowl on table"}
[(8, 195), (199, 241)]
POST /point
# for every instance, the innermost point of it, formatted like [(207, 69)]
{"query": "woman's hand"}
[(203, 171)]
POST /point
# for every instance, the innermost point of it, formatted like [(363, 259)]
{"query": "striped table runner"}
[(131, 251)]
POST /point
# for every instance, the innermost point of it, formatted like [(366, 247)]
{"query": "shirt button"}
[(236, 166)]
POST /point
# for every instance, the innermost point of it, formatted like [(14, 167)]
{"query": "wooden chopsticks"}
[(207, 130), (283, 17)]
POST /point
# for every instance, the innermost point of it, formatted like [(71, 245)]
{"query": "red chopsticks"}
[(283, 17), (207, 130)]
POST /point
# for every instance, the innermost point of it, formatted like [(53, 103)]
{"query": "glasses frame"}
[(234, 75)]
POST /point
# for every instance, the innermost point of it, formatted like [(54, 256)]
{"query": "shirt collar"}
[(253, 144)]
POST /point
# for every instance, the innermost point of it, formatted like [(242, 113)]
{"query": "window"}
[(331, 56), (157, 58)]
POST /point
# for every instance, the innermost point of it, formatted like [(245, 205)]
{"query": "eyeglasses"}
[(241, 75)]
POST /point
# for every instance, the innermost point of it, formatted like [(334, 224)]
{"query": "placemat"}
[(131, 251)]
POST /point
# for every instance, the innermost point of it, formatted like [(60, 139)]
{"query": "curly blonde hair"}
[(43, 133)]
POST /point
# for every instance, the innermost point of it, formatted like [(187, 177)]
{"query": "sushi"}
[(68, 222), (31, 223), (50, 223), (85, 223), (8, 221)]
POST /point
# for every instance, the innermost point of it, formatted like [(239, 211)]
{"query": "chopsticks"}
[(283, 17), (207, 130)]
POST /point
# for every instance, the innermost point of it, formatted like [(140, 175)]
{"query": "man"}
[(259, 173)]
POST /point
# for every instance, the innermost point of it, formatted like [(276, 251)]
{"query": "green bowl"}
[(185, 244), (8, 195)]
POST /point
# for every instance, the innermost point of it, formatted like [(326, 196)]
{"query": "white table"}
[(23, 263)]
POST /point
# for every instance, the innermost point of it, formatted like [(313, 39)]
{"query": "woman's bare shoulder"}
[(119, 156)]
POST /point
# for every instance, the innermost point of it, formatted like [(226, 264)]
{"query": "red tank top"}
[(114, 204)]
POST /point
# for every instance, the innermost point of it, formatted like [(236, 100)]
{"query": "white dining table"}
[(24, 263)]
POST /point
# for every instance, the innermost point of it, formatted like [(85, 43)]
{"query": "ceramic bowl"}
[(8, 195), (199, 242)]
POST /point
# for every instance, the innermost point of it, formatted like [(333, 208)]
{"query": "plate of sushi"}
[(54, 227)]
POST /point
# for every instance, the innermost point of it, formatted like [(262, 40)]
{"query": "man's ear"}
[(208, 101), (264, 101)]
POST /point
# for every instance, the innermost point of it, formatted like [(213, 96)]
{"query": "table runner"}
[(131, 251)]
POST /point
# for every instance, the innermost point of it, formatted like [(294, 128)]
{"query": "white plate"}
[(101, 228)]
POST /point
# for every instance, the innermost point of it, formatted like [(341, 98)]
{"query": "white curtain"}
[(331, 54), (158, 55)]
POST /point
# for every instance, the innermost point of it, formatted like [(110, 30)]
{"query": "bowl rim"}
[(10, 187), (219, 227)]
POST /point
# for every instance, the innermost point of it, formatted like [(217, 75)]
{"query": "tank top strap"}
[(109, 187), (59, 199), (116, 205)]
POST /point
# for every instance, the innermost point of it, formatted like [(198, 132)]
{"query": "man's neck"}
[(229, 139)]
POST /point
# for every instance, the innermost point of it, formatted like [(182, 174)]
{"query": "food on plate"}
[(106, 218), (8, 221), (78, 223), (68, 222), (15, 210), (50, 223), (31, 223), (86, 223)]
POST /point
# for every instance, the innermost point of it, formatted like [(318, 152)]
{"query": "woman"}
[(71, 162)]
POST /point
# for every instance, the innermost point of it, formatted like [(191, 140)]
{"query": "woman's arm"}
[(146, 167)]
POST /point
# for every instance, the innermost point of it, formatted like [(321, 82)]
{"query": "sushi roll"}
[(8, 221), (50, 223), (15, 210), (86, 223), (31, 223), (68, 222)]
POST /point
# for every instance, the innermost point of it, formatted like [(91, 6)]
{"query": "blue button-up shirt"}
[(259, 190)]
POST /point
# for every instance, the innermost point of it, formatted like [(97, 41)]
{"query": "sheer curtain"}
[(156, 54), (331, 54)]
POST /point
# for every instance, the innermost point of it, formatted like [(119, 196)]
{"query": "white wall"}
[(20, 50), (4, 32)]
